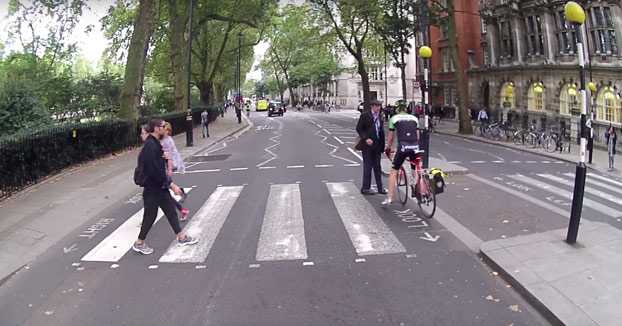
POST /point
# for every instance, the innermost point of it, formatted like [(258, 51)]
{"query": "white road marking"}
[(324, 166), (205, 225), (368, 233), (238, 169), (531, 162), (266, 167), (455, 162), (339, 140), (121, 240), (559, 162), (354, 164), (360, 260), (254, 266), (355, 153), (545, 162), (328, 132), (295, 166), (498, 161), (269, 148), (203, 171), (282, 234), (335, 149), (619, 184), (200, 266), (348, 137), (308, 263), (153, 267), (478, 162), (589, 190), (566, 194), (516, 161), (114, 266)]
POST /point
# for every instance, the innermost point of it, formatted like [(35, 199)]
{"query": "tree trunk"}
[(364, 81), (465, 126), (403, 70), (205, 91), (131, 92), (278, 84), (178, 53)]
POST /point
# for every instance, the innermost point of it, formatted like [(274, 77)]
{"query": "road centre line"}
[(353, 164), (324, 166), (266, 167), (295, 166), (238, 169), (203, 171), (478, 162)]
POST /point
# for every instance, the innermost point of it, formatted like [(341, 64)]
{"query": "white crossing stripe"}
[(589, 190), (619, 184), (323, 165), (566, 194), (121, 240), (478, 162), (598, 183), (368, 233), (205, 225), (238, 169), (282, 234), (295, 166)]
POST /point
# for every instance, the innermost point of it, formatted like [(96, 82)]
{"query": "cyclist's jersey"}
[(405, 126), (248, 107)]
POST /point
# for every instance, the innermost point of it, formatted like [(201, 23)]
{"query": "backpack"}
[(140, 177), (438, 179)]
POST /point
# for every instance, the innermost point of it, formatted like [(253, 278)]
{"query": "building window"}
[(608, 105), (507, 43), (535, 38), (566, 36), (507, 95), (569, 99), (484, 28), (443, 28), (448, 64), (536, 97), (450, 96), (602, 31), (486, 56)]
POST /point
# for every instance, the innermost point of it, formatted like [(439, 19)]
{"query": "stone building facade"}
[(531, 67)]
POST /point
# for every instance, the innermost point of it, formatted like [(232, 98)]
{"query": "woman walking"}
[(175, 164), (612, 138)]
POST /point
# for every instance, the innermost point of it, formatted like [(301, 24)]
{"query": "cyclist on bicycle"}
[(406, 126)]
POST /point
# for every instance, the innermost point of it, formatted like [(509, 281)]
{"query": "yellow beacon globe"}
[(591, 86), (425, 52), (574, 12)]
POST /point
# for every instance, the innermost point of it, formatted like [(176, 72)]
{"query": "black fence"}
[(28, 158)]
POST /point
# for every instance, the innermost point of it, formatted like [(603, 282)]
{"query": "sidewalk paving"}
[(599, 157), (576, 284), (36, 218)]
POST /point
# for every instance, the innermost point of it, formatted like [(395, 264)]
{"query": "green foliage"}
[(20, 107)]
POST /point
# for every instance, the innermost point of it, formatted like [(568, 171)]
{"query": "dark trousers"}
[(152, 199), (371, 160)]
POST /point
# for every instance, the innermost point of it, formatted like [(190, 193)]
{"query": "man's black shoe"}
[(383, 191), (367, 192)]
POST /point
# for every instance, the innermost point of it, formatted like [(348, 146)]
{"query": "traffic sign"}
[(235, 95)]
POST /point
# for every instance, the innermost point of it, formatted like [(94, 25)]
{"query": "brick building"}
[(444, 89)]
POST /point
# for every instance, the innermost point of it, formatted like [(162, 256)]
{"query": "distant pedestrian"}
[(156, 189), (371, 132), (441, 115), (205, 123), (612, 139), (174, 164)]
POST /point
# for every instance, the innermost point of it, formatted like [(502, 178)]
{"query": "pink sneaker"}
[(184, 213)]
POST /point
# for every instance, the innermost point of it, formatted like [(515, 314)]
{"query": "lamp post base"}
[(577, 203), (189, 138)]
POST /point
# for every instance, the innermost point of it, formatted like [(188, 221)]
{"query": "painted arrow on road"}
[(429, 237), (70, 249)]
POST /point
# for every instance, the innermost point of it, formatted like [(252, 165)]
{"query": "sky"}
[(93, 44)]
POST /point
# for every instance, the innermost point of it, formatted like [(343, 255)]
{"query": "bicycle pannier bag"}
[(438, 180)]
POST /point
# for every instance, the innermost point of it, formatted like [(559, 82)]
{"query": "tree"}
[(351, 22), (448, 17), (396, 29), (131, 92)]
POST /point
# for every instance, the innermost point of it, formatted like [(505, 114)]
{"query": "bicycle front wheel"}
[(550, 145), (518, 138), (427, 198), (402, 186)]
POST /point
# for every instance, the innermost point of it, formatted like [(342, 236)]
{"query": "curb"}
[(247, 126)]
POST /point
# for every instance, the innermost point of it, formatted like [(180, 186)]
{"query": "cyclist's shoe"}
[(142, 248), (187, 241), (184, 213), (387, 202)]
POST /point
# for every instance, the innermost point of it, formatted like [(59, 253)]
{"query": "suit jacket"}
[(367, 130)]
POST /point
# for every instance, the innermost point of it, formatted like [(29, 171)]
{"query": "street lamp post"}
[(238, 100), (425, 52), (189, 138), (576, 15)]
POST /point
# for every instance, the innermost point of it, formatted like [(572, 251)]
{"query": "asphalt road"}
[(287, 239)]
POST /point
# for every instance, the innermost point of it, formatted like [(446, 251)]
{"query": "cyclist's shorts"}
[(401, 156)]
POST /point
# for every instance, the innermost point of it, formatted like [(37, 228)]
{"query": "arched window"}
[(536, 97), (569, 99), (507, 95), (608, 105)]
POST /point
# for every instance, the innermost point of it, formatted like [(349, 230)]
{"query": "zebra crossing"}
[(602, 194), (282, 236)]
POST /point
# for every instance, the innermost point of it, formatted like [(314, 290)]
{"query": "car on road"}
[(275, 107)]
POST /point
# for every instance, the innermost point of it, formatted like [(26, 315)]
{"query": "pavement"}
[(39, 216), (572, 284), (569, 284), (599, 157)]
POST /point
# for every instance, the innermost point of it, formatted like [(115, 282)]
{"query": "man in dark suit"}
[(369, 128)]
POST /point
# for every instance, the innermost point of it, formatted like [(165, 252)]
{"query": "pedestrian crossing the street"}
[(602, 194), (282, 236)]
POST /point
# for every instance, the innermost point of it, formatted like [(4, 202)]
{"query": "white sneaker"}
[(387, 202)]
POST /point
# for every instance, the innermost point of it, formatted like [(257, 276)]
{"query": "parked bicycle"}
[(421, 189)]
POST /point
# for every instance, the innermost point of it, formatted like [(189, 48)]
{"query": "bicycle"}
[(421, 189)]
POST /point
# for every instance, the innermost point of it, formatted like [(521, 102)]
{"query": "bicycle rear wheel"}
[(427, 198), (550, 145), (402, 186), (530, 140), (518, 138)]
